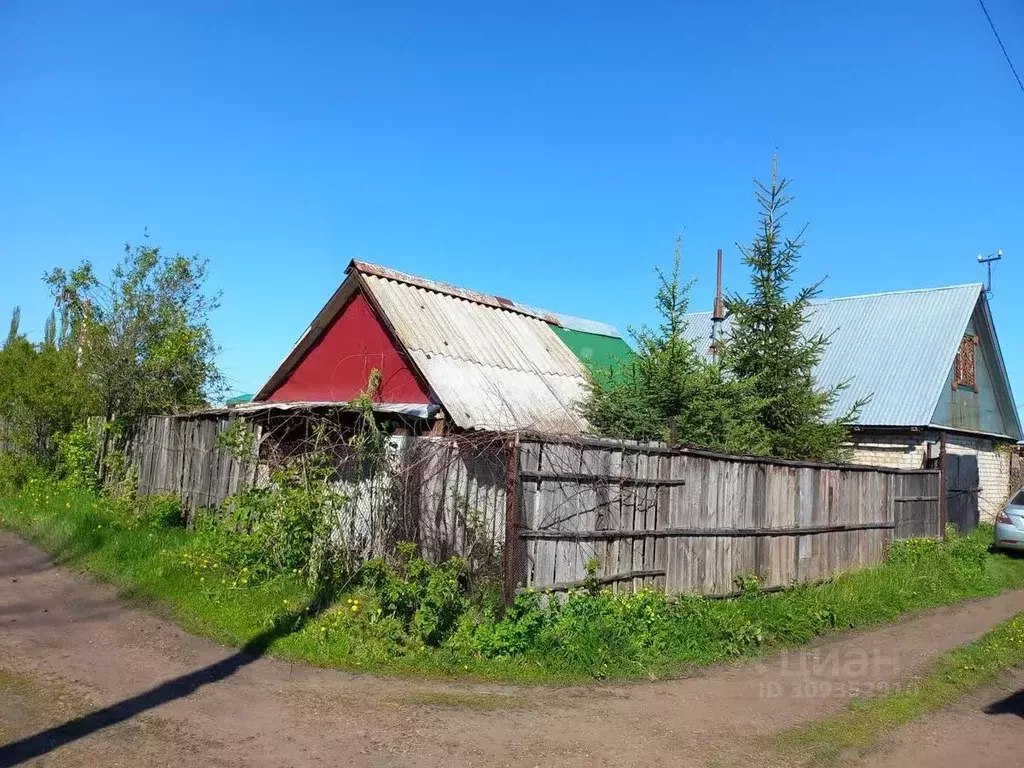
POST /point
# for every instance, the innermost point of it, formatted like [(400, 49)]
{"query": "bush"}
[(76, 457), (16, 470), (161, 512), (427, 600), (287, 527)]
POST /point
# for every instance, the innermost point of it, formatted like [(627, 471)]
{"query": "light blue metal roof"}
[(897, 348), (587, 326)]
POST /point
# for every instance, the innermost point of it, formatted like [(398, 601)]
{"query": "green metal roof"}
[(238, 399), (596, 351)]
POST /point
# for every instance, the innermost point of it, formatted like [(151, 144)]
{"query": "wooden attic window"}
[(965, 369)]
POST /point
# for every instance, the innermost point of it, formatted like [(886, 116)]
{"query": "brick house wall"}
[(907, 451)]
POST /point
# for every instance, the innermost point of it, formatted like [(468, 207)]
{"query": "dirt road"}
[(119, 686), (983, 730)]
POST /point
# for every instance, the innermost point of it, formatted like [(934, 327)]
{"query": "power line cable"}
[(1001, 46)]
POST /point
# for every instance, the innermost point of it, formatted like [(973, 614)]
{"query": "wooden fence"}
[(693, 522), (179, 455), (448, 494), (683, 520)]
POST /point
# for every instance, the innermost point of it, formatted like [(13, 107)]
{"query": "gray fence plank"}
[(692, 522)]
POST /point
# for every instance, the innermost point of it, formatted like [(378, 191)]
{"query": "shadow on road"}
[(1011, 705), (46, 741)]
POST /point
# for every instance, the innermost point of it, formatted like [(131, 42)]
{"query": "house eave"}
[(411, 410), (931, 427)]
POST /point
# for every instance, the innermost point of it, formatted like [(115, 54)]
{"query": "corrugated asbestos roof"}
[(493, 363), (493, 366), (896, 348), (498, 302)]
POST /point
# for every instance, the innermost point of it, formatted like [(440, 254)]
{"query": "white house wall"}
[(907, 451)]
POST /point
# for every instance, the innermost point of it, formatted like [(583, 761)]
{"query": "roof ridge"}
[(493, 301), (447, 289), (901, 292)]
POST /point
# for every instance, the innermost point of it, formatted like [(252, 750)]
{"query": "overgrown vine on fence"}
[(305, 518)]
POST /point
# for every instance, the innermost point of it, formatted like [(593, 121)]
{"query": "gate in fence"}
[(962, 489), (633, 515)]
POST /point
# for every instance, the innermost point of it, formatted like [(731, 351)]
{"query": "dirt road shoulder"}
[(58, 628)]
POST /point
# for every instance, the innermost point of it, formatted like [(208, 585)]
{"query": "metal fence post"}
[(943, 486)]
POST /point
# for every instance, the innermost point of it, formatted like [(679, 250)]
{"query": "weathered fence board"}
[(693, 522), (682, 520), (173, 455), (447, 494)]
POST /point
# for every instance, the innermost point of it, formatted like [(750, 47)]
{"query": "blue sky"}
[(548, 152)]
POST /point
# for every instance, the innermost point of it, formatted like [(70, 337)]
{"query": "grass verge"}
[(586, 637), (866, 723)]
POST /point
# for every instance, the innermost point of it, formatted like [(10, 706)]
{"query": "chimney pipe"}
[(719, 314)]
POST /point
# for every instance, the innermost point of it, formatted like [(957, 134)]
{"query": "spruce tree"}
[(769, 347), (669, 391)]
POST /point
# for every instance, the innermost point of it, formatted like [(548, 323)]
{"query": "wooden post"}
[(943, 485), (512, 552)]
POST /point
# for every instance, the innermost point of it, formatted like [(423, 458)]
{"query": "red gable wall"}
[(338, 365)]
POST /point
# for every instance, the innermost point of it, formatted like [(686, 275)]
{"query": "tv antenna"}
[(988, 261)]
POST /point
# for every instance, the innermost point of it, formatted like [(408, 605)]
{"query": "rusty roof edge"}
[(386, 273)]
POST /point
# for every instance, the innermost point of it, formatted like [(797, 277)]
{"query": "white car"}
[(1010, 524)]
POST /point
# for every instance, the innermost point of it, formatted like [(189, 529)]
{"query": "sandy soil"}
[(87, 680)]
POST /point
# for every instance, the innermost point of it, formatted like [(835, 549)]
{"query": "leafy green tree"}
[(143, 339), (50, 330), (669, 391), (12, 333), (769, 347), (42, 392)]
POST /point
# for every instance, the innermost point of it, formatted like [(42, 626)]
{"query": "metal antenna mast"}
[(987, 261)]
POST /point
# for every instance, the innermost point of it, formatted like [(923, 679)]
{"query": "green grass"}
[(587, 637), (866, 723)]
